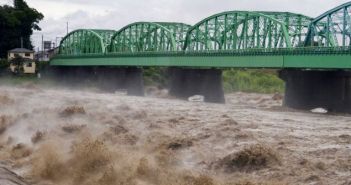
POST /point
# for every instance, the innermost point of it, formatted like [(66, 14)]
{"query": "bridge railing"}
[(243, 52)]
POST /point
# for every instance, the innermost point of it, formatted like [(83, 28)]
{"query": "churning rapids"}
[(71, 137)]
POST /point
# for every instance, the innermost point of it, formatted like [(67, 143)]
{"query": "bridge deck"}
[(305, 58)]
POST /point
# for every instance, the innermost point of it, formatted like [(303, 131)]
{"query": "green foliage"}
[(234, 80), (4, 64), (259, 81), (155, 76), (19, 80), (16, 22)]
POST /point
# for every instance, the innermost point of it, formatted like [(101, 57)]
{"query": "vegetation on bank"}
[(234, 80), (4, 63), (8, 78), (156, 76), (250, 80), (18, 80)]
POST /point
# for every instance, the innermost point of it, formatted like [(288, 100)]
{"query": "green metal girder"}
[(332, 28), (310, 61), (333, 57), (149, 36), (85, 41), (240, 39), (244, 29)]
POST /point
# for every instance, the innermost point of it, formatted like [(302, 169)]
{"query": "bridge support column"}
[(110, 79), (318, 89), (62, 75), (135, 81), (189, 82)]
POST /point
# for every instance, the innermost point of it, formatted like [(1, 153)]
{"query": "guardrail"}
[(243, 52)]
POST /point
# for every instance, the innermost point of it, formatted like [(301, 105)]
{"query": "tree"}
[(16, 22)]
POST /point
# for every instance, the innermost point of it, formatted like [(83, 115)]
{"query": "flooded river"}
[(72, 137)]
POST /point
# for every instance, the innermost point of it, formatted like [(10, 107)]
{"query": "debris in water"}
[(319, 111), (196, 98)]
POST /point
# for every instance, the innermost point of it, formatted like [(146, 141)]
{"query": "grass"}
[(257, 81)]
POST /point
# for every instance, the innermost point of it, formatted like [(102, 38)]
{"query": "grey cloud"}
[(118, 13)]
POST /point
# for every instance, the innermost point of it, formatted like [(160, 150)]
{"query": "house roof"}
[(21, 50)]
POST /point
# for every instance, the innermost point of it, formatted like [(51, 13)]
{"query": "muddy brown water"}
[(100, 138)]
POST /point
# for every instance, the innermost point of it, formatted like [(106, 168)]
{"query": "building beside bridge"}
[(22, 61)]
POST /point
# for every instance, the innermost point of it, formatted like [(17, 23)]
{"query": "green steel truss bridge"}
[(242, 39)]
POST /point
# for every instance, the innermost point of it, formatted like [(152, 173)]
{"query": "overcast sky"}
[(114, 14)]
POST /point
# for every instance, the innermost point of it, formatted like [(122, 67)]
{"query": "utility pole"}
[(21, 42), (42, 47), (67, 27), (57, 44)]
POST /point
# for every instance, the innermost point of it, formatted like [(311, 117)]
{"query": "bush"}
[(259, 81), (4, 63), (155, 76)]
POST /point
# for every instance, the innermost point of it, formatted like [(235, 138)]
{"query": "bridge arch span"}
[(245, 29), (331, 29), (149, 36), (85, 41)]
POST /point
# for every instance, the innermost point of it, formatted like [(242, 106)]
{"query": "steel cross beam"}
[(149, 36), (244, 29), (85, 41), (331, 28)]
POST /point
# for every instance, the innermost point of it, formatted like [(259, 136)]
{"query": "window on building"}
[(29, 64), (27, 54)]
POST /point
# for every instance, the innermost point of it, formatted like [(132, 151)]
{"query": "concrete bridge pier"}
[(62, 75), (307, 89), (185, 83), (81, 76), (134, 81), (72, 76), (111, 79)]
